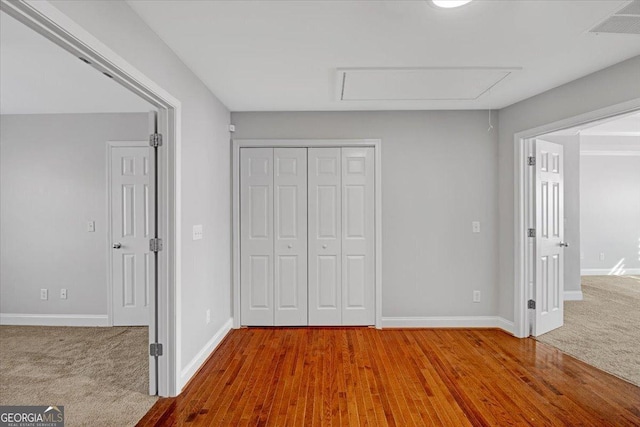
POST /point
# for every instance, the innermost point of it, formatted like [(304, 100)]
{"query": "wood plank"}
[(363, 376)]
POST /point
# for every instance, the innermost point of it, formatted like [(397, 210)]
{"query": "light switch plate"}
[(475, 226), (197, 232), (91, 226)]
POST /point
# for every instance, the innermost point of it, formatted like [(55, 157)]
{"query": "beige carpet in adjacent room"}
[(100, 375), (603, 330)]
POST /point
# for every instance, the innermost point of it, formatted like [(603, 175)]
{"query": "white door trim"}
[(246, 143), (50, 22), (523, 214)]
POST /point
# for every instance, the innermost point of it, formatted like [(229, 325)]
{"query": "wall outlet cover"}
[(476, 296), (197, 232)]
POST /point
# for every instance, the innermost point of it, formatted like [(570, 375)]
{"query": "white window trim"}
[(306, 143)]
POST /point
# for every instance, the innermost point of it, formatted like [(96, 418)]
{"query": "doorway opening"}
[(162, 342), (598, 204), (601, 266), (523, 204)]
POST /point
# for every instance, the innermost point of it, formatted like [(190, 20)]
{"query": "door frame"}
[(524, 214), (45, 19), (304, 143)]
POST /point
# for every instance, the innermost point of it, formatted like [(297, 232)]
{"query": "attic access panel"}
[(417, 84)]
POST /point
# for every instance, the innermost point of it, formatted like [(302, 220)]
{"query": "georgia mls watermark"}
[(31, 416)]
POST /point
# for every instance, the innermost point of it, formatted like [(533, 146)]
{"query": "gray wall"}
[(604, 88), (52, 181), (205, 166), (439, 173), (571, 146), (610, 212)]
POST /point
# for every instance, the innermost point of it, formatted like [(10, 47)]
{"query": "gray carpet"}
[(603, 329), (100, 375)]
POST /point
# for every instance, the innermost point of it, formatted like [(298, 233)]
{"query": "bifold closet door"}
[(325, 236), (358, 236), (290, 196), (273, 236), (256, 236)]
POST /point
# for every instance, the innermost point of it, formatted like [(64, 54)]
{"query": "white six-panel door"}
[(307, 236), (358, 228), (132, 225), (290, 215), (549, 280), (325, 236), (256, 236)]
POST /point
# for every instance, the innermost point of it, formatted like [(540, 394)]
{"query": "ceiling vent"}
[(624, 21), (417, 84)]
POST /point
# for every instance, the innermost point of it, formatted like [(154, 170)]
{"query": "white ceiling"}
[(38, 77), (283, 55)]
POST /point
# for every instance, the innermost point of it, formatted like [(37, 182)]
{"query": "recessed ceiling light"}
[(450, 3)]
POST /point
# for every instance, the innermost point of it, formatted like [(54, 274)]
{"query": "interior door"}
[(549, 264), (256, 236), (290, 232), (132, 225), (358, 228), (325, 236)]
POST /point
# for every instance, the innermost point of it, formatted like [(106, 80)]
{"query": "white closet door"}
[(256, 236), (358, 264), (325, 237), (290, 195)]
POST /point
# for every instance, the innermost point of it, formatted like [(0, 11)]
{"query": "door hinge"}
[(155, 349), (531, 160), (155, 139), (531, 232), (531, 304), (155, 245)]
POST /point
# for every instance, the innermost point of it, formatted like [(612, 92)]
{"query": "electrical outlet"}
[(91, 226), (63, 293), (197, 232), (601, 256), (208, 316), (475, 226), (44, 294), (476, 296)]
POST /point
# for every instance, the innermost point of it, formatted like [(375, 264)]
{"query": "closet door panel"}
[(325, 236), (358, 263), (256, 236), (290, 246)]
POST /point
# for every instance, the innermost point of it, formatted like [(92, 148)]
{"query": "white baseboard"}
[(195, 364), (573, 295), (449, 322), (54, 319), (607, 272)]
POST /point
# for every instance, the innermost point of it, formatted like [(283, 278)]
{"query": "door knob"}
[(117, 245), (289, 246), (564, 245), (324, 246)]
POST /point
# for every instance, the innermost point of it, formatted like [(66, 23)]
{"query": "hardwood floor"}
[(363, 376)]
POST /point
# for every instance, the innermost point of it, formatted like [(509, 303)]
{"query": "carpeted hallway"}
[(100, 375), (603, 329)]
